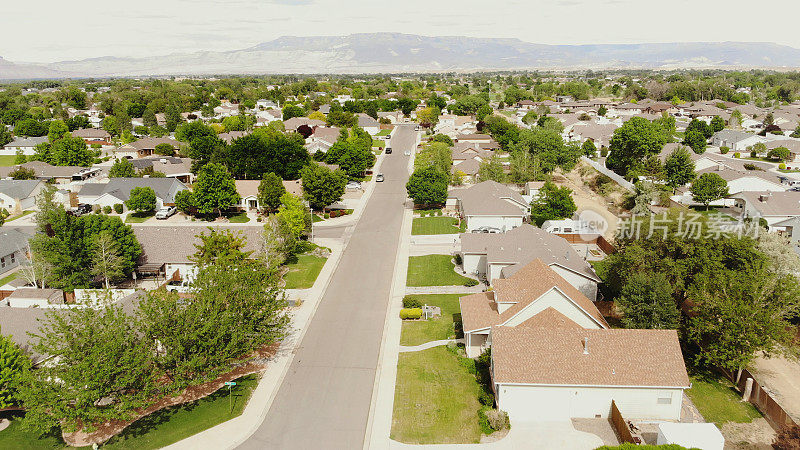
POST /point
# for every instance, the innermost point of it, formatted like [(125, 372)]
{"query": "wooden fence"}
[(621, 425), (763, 400), (597, 239)]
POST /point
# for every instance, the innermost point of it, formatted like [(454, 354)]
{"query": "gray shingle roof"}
[(12, 240), (163, 187), (161, 245), (490, 198), (18, 189)]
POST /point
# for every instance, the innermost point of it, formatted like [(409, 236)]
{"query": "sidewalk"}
[(445, 289), (427, 345)]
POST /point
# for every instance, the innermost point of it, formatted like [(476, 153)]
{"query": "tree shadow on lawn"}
[(458, 326)]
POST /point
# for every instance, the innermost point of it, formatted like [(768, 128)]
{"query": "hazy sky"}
[(53, 30)]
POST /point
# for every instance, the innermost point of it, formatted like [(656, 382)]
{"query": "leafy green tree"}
[(779, 153), (407, 105), (435, 154), (107, 263), (428, 117), (695, 140), (142, 199), (739, 314), (149, 117), (547, 148), (709, 187), (20, 158), (428, 186), (290, 111), (492, 169), (14, 363), (184, 201), (241, 309), (700, 126), (522, 167), (602, 110), (530, 118), (122, 168), (22, 173), (58, 129), (483, 111), (5, 136), (588, 148), (214, 189), (552, 203), (322, 186), (100, 357), (443, 138), (219, 245), (270, 191), (679, 168), (294, 216), (631, 143), (173, 118), (265, 151), (717, 124), (647, 302), (165, 149)]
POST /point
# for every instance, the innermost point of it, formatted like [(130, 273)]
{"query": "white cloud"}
[(52, 30)]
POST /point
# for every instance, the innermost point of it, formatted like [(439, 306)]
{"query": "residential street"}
[(324, 400)]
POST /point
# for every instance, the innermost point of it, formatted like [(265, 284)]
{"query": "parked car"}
[(407, 152), (353, 185), (388, 150), (416, 128), (166, 212), (81, 209), (388, 137), (178, 286), (379, 178), (486, 229)]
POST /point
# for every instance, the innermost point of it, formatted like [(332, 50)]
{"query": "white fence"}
[(609, 173)]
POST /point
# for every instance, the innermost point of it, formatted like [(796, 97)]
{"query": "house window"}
[(664, 398), (3, 262), (13, 257)]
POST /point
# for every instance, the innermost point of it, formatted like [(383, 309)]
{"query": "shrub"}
[(411, 302), (458, 259), (497, 419), (410, 313), (603, 151), (118, 208), (486, 428), (782, 166), (107, 209), (485, 398), (471, 282), (439, 212), (736, 155), (724, 149), (96, 209), (753, 154)]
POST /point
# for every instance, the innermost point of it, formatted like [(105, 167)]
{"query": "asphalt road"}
[(325, 398)]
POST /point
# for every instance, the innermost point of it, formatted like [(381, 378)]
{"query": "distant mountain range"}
[(395, 53)]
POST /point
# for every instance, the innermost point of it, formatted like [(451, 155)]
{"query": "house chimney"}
[(764, 197), (586, 346)]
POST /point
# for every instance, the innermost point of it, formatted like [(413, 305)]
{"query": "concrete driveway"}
[(325, 397)]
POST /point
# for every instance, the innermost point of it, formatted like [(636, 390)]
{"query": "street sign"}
[(230, 383)]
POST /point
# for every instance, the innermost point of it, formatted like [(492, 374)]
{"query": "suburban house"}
[(93, 136), (170, 166), (230, 136), (555, 358), (498, 256), (13, 249), (737, 141), (27, 297), (489, 204), (19, 195), (467, 168), (27, 145), (166, 251), (55, 174), (296, 122), (368, 124), (474, 138), (774, 207), (144, 147), (118, 190), (248, 191)]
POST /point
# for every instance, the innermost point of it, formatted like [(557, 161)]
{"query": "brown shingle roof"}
[(161, 245), (525, 287), (555, 356), (490, 198)]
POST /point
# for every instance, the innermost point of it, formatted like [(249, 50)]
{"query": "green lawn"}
[(415, 332), (304, 272), (718, 402), (435, 399), (436, 225), (136, 217), (24, 213), (433, 270), (7, 160), (315, 218), (378, 143), (384, 133), (156, 430), (239, 218), (8, 278)]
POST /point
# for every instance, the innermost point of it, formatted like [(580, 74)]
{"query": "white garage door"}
[(524, 403)]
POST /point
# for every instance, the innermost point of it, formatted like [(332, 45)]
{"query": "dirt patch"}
[(757, 434), (494, 437), (110, 429), (585, 198)]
